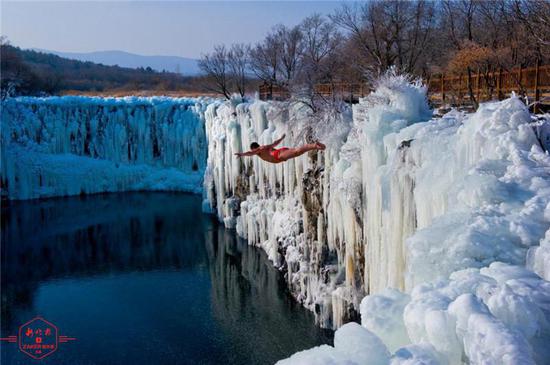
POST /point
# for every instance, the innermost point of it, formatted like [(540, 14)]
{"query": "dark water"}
[(144, 278)]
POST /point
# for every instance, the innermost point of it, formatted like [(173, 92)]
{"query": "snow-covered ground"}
[(433, 228), (433, 232), (73, 145)]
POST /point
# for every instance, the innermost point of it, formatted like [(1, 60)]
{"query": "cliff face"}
[(398, 199), (435, 229), (309, 213)]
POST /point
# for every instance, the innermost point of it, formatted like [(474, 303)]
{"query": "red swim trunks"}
[(276, 151)]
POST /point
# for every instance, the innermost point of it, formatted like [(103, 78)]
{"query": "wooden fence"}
[(346, 91), (533, 82)]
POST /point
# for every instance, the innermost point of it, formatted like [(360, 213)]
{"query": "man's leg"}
[(298, 151)]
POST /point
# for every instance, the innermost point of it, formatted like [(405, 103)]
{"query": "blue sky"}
[(176, 28)]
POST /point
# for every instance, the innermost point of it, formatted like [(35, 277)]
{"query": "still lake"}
[(144, 278)]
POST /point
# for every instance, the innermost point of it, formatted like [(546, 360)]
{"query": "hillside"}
[(28, 72)]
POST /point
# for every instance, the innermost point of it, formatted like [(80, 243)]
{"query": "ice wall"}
[(435, 229), (444, 211), (77, 145), (273, 206), (308, 213)]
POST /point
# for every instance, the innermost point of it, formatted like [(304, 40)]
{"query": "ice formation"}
[(74, 145), (435, 222), (434, 229)]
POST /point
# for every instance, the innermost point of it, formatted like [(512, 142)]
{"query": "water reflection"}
[(139, 265)]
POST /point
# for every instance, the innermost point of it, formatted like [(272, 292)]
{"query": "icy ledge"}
[(70, 145), (444, 211), (496, 315)]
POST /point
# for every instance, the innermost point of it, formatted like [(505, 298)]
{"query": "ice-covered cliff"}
[(74, 145), (433, 231), (444, 211)]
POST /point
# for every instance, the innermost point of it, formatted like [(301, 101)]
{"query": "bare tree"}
[(320, 42), (290, 52), (535, 17), (389, 33), (265, 58), (459, 17), (502, 25), (277, 60), (483, 36), (216, 66), (237, 59), (420, 37), (319, 60)]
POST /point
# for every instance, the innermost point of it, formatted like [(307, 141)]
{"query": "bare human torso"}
[(266, 155), (271, 154)]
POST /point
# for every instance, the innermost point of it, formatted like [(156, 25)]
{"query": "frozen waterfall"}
[(422, 223), (78, 145), (433, 232)]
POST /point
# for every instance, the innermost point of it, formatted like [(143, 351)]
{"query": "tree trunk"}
[(471, 89)]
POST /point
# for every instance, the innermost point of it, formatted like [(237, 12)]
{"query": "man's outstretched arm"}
[(247, 153), (276, 142)]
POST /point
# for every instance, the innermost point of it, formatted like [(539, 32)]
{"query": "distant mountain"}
[(185, 66), (28, 72)]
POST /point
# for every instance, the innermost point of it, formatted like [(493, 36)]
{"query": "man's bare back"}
[(276, 155)]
